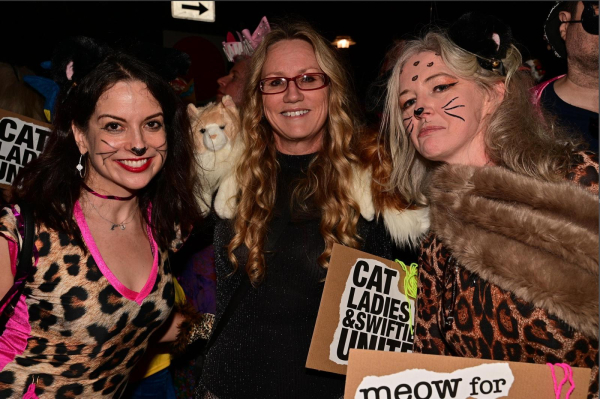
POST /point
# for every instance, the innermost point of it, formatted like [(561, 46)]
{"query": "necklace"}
[(113, 224), (112, 197)]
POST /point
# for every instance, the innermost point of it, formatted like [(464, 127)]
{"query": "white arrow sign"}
[(194, 10)]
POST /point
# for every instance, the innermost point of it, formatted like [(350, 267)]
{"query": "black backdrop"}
[(31, 29)]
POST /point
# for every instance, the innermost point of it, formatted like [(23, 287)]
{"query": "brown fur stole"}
[(536, 239)]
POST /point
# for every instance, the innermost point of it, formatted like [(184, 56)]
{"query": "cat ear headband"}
[(483, 36), (247, 42)]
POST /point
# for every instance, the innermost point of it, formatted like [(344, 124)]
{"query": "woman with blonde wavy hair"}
[(509, 270), (299, 133)]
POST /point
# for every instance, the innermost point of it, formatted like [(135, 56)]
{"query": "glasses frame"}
[(287, 82)]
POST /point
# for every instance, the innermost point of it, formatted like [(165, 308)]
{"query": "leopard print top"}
[(86, 333), (460, 314)]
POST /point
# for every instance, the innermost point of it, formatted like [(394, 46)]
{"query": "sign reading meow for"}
[(385, 375), (363, 306), (22, 139)]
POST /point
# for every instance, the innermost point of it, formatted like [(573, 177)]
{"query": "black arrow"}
[(201, 9)]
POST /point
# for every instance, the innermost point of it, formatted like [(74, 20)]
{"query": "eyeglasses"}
[(306, 82)]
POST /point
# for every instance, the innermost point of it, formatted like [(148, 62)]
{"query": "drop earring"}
[(79, 166)]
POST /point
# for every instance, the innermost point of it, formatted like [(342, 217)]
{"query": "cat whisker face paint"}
[(408, 125), (442, 112), (162, 151)]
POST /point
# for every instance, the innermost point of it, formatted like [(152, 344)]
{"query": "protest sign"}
[(386, 375), (363, 306), (21, 140)]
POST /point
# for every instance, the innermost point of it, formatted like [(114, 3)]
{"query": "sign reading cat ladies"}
[(363, 307), (21, 141)]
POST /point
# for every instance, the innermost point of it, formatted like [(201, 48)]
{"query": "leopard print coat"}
[(459, 313), (86, 334)]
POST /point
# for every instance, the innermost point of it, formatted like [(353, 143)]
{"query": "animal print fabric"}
[(460, 314), (85, 336)]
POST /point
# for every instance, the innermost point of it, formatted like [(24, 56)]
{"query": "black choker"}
[(111, 197)]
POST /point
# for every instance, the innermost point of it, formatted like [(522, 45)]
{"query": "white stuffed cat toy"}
[(215, 128)]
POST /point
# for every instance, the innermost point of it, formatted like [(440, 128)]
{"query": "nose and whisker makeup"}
[(107, 154), (410, 127), (419, 111), (445, 108), (162, 150), (139, 151)]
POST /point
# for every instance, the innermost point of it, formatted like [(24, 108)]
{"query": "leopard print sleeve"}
[(432, 263), (584, 170)]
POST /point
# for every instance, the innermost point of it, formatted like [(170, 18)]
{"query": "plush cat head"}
[(214, 125)]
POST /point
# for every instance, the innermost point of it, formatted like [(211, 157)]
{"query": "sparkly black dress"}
[(261, 352)]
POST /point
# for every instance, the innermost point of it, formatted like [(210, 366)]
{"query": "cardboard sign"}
[(21, 140), (386, 375), (363, 306)]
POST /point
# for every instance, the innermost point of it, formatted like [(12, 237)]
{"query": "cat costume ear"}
[(484, 36)]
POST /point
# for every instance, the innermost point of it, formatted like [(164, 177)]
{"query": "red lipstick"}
[(134, 169)]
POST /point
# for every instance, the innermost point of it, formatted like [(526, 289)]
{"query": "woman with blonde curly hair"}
[(509, 270), (295, 201)]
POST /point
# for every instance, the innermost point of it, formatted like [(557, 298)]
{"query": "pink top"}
[(13, 340), (138, 297)]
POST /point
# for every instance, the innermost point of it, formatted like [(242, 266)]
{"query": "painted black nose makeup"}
[(419, 111), (139, 151)]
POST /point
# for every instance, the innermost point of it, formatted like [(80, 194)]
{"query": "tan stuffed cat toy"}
[(215, 128)]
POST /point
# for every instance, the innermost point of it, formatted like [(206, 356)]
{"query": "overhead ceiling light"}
[(343, 41)]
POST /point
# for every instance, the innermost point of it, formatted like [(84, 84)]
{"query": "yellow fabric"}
[(162, 359)]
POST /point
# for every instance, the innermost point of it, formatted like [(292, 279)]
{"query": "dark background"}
[(30, 30)]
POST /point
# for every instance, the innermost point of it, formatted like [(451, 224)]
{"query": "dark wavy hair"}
[(52, 185)]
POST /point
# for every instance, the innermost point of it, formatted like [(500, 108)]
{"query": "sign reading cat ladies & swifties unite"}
[(22, 139), (363, 306)]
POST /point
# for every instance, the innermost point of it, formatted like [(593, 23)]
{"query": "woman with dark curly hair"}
[(111, 193)]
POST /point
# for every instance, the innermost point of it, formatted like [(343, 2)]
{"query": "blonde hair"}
[(516, 135), (329, 175)]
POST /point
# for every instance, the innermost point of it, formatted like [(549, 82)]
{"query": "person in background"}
[(509, 270), (240, 52), (572, 31), (233, 83)]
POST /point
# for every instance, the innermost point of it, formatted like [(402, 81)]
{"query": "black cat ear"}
[(74, 57), (484, 36)]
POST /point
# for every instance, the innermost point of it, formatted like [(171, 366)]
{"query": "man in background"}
[(572, 31), (233, 83)]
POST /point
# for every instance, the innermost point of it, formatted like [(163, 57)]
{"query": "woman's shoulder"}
[(584, 170)]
